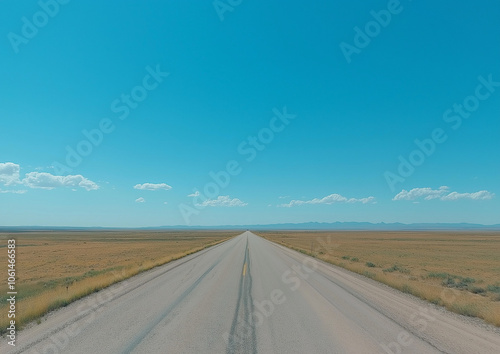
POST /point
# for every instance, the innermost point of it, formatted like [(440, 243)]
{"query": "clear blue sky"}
[(357, 94)]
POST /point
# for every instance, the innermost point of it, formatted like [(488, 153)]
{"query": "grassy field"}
[(56, 268), (458, 270)]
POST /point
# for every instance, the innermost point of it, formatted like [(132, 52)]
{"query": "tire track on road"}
[(139, 338), (143, 334)]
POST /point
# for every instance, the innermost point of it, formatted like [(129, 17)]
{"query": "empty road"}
[(248, 295)]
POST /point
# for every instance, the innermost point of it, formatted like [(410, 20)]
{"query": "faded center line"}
[(242, 337)]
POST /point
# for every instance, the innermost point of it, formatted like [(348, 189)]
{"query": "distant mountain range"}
[(286, 226)]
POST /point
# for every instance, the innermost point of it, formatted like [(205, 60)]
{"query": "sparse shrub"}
[(369, 274), (370, 264), (465, 283), (458, 282), (355, 259), (493, 288), (391, 269), (407, 289), (345, 257), (449, 282), (477, 290), (438, 275), (395, 268)]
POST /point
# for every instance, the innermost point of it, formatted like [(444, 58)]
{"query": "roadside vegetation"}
[(458, 270)]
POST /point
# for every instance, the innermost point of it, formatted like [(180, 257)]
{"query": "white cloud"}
[(284, 197), (223, 201), (153, 186), (9, 173), (14, 191), (329, 199), (481, 195), (165, 203), (362, 200), (443, 193), (140, 200), (46, 180), (195, 194), (426, 193)]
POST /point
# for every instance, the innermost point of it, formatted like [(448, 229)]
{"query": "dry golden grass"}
[(55, 268), (459, 270)]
